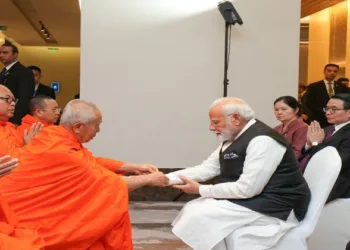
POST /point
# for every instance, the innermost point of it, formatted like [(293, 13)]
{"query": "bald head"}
[(7, 103), (4, 90), (44, 108), (79, 111), (82, 118), (230, 105)]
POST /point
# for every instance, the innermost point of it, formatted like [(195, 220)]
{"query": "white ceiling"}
[(60, 17)]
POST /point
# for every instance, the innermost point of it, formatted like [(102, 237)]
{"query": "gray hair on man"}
[(232, 105), (78, 111)]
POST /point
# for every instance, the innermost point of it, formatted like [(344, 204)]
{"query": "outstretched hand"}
[(34, 129), (158, 179), (189, 186), (7, 164), (139, 169)]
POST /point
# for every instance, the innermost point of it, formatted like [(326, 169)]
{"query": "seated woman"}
[(293, 128)]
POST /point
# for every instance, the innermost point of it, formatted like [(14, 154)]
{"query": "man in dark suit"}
[(18, 79), (41, 89), (318, 94), (338, 135)]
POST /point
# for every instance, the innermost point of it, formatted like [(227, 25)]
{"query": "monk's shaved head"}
[(82, 119), (4, 90), (38, 102), (7, 107), (79, 111)]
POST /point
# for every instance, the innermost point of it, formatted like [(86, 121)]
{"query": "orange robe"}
[(14, 237), (27, 122), (68, 195), (11, 235), (10, 142)]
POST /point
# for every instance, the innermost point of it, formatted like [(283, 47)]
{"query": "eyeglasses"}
[(9, 100), (58, 110), (331, 109), (216, 122)]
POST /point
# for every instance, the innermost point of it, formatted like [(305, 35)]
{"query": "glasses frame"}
[(54, 110), (332, 110), (9, 100)]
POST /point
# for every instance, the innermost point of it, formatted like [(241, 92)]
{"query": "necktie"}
[(2, 75), (329, 134), (306, 158), (330, 89)]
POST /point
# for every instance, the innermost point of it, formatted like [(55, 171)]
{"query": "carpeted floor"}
[(151, 223)]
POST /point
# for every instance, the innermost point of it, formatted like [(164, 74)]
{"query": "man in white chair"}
[(337, 112), (332, 230), (261, 186)]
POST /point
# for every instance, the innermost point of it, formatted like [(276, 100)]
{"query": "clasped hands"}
[(159, 179), (154, 177), (314, 133)]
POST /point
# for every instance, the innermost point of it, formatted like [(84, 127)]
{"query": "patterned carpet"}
[(151, 222)]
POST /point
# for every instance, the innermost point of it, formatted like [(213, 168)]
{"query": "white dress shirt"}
[(8, 67), (263, 156), (339, 126)]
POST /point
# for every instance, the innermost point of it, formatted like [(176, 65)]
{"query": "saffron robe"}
[(13, 236), (27, 122), (10, 142), (68, 195)]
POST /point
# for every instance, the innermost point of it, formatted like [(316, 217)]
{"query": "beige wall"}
[(329, 38), (347, 61), (166, 68), (319, 39), (62, 66), (303, 63)]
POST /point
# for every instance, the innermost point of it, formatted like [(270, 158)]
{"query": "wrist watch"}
[(315, 143)]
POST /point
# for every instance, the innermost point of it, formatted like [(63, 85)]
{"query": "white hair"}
[(78, 111), (232, 105)]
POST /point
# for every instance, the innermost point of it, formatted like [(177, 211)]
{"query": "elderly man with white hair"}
[(261, 195), (73, 199)]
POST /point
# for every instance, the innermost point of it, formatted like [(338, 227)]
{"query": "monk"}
[(42, 109), (10, 142), (12, 237), (75, 200)]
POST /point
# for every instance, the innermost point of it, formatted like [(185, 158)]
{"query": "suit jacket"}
[(341, 141), (20, 80), (295, 133), (45, 90), (316, 98)]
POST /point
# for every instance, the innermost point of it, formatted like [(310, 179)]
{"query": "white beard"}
[(224, 137)]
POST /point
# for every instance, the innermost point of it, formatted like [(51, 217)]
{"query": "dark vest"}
[(287, 188)]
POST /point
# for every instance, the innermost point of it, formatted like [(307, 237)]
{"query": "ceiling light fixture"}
[(44, 30)]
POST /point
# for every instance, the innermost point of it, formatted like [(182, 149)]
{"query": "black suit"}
[(20, 80), (316, 98), (341, 141), (45, 90)]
